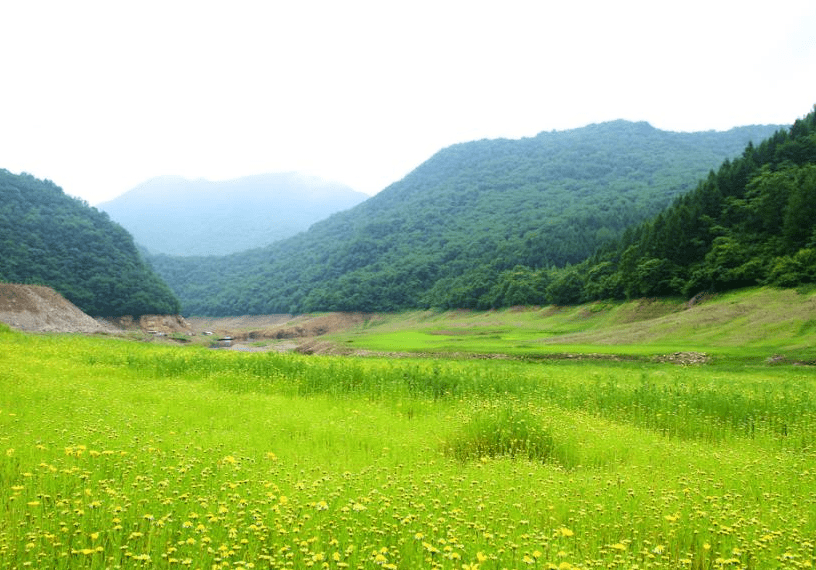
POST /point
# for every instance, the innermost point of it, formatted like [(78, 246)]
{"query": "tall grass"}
[(504, 431), (117, 454), (706, 403)]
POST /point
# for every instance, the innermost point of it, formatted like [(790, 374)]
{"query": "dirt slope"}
[(277, 327), (41, 309), (34, 308)]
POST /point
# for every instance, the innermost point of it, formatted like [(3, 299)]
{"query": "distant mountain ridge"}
[(177, 216), (469, 212)]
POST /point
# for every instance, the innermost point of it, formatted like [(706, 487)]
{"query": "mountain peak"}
[(177, 216)]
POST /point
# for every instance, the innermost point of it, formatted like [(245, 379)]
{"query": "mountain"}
[(176, 216), (470, 212), (49, 238), (753, 221)]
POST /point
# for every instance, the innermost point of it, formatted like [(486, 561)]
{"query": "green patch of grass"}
[(749, 326), (807, 328)]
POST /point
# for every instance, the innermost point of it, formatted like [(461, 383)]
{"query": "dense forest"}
[(751, 222), (49, 238), (478, 224), (177, 216)]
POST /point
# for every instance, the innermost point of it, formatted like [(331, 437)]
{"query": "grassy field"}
[(749, 326), (122, 454)]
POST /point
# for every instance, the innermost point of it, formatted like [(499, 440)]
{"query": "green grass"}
[(117, 454), (748, 325)]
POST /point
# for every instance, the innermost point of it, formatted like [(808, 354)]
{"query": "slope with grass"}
[(751, 324)]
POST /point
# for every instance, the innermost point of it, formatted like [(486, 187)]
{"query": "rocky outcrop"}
[(154, 324)]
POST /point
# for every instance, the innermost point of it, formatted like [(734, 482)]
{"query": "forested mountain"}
[(459, 220), (176, 216), (753, 221), (49, 238)]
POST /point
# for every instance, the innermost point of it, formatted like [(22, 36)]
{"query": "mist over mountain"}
[(469, 213), (173, 215)]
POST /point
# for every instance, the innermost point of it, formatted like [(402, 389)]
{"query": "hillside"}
[(175, 216), (473, 209), (49, 238), (757, 324), (753, 221)]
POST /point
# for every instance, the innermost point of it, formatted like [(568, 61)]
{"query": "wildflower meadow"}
[(123, 454)]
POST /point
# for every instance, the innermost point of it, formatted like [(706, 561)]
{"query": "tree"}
[(800, 213), (566, 288)]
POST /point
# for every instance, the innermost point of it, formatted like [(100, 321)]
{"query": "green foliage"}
[(751, 222), (48, 238), (519, 286), (791, 271), (566, 288), (455, 231)]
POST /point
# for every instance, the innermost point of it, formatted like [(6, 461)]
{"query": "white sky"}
[(99, 96)]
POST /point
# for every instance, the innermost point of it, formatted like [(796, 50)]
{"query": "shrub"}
[(505, 431)]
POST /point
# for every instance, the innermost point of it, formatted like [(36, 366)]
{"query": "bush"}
[(790, 271), (502, 432)]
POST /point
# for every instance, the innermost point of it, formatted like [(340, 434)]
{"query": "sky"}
[(99, 96)]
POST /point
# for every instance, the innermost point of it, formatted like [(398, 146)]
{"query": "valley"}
[(482, 224), (471, 370)]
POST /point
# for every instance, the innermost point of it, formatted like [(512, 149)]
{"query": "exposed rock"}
[(154, 324), (699, 298), (684, 358), (279, 327)]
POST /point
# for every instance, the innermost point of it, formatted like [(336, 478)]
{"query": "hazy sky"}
[(99, 96)]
